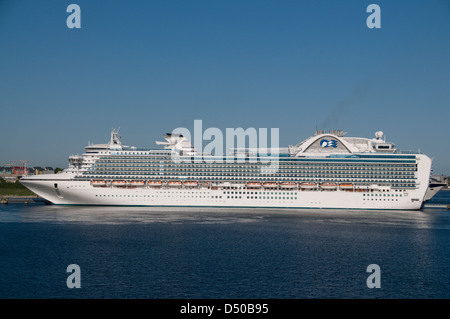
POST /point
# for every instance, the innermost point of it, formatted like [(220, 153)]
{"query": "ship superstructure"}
[(327, 170)]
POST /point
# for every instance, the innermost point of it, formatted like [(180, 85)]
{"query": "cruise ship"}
[(327, 170)]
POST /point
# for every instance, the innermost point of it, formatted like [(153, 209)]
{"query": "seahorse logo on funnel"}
[(326, 143)]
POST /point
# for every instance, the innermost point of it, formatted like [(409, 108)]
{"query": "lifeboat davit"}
[(174, 184), (288, 185), (270, 184), (328, 185), (308, 185), (253, 184), (98, 183), (137, 183), (190, 183)]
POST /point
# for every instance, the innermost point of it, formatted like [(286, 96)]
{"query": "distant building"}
[(38, 170), (19, 170), (49, 170), (5, 170)]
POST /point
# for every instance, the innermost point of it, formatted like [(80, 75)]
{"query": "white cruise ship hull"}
[(69, 192)]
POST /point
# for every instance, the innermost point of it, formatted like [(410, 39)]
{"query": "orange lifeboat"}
[(190, 183), (308, 185), (98, 183), (119, 183), (346, 186), (137, 183), (174, 184), (253, 184), (154, 183), (270, 184), (328, 185), (288, 185)]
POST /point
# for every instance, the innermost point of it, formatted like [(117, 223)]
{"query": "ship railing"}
[(407, 152)]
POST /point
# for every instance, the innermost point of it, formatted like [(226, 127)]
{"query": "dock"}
[(5, 200)]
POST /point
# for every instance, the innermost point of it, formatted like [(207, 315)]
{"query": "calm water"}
[(223, 253)]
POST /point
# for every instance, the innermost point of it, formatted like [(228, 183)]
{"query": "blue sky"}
[(151, 66)]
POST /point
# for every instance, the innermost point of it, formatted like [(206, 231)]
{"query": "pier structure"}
[(5, 200)]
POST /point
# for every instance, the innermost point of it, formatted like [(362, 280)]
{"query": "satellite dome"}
[(379, 134)]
